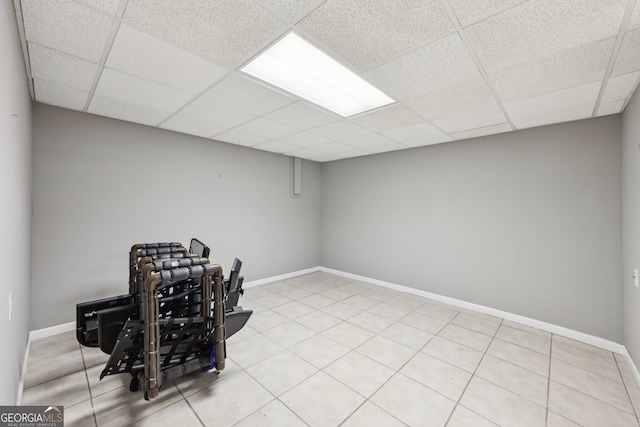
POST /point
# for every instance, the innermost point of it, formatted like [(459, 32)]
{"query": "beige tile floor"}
[(323, 350)]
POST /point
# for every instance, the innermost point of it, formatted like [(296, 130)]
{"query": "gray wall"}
[(15, 204), (526, 222), (101, 185), (631, 224)]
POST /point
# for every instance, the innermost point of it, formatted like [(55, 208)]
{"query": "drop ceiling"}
[(457, 69)]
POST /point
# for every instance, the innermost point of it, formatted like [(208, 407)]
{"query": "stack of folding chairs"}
[(175, 319)]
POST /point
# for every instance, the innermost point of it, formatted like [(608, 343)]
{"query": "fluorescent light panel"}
[(298, 67)]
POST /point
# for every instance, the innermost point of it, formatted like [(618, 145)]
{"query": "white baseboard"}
[(554, 329), (632, 365), (23, 375), (52, 330), (259, 282), (36, 335)]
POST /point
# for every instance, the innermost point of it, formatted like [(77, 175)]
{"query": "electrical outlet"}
[(10, 305), (635, 277)]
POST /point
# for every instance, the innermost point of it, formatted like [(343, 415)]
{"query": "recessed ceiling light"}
[(296, 66)]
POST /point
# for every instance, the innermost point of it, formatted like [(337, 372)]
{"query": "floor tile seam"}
[(526, 348), (595, 398), (454, 342), (487, 318), (516, 365), (517, 393), (168, 406), (597, 374), (86, 374), (568, 362), (350, 317), (447, 362), (347, 385), (626, 389), (396, 341), (372, 403), (53, 379), (463, 344), (466, 387), (470, 410), (270, 402), (277, 397), (41, 357), (599, 353), (474, 330), (527, 332), (483, 316)]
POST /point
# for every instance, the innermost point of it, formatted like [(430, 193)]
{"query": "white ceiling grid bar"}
[(117, 20), (476, 59), (631, 5), (614, 54), (470, 68)]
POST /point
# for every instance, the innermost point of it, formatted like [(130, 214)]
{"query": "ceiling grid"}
[(456, 69)]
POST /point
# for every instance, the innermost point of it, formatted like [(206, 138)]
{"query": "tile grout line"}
[(187, 402), (549, 380), (86, 375), (626, 389), (473, 375)]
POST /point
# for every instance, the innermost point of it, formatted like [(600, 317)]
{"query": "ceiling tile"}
[(372, 143), (573, 67), (61, 68), (247, 95), (568, 100), (628, 58), (489, 130), (227, 32), (387, 118), (142, 55), (277, 146), (66, 26), (239, 137), (304, 140), (455, 99), (418, 135), (441, 64), (339, 130), (469, 12), (290, 11), (312, 155), (536, 29), (341, 149), (558, 117), (635, 18), (266, 130), (205, 117), (481, 117), (134, 90), (61, 96), (302, 116), (108, 6), (369, 33), (109, 107), (610, 108), (620, 87)]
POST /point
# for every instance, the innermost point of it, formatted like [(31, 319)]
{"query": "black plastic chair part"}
[(87, 332), (110, 323), (233, 285), (235, 320), (199, 248)]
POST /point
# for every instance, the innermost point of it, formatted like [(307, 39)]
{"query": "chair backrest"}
[(199, 248), (234, 274)]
